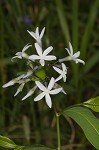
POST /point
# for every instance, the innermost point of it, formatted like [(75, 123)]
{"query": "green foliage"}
[(37, 148), (6, 142), (87, 121), (93, 104)]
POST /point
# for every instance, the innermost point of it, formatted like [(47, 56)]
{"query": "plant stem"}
[(58, 130)]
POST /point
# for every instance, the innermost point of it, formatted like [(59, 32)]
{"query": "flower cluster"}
[(38, 66)]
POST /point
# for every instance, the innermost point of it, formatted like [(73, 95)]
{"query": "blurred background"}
[(76, 21)]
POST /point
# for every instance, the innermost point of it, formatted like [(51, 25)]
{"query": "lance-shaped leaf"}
[(38, 147), (6, 142), (87, 121), (93, 104)]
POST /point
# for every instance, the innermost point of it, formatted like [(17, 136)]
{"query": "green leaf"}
[(63, 20), (39, 147), (19, 147), (89, 27), (87, 121), (6, 142), (93, 104)]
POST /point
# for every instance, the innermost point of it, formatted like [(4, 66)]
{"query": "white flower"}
[(47, 91), (37, 36), (12, 82), (42, 56), (72, 56), (22, 54), (62, 72)]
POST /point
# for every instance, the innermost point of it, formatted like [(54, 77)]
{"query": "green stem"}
[(58, 130)]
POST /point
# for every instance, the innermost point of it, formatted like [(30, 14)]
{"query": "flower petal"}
[(80, 61), (57, 79), (38, 49), (48, 100), (71, 49), (37, 33), (28, 74), (76, 55), (51, 83), (10, 83), (39, 97), (42, 62), (32, 34), (56, 91), (48, 50), (26, 47), (19, 89), (34, 57), (40, 86), (50, 57), (64, 78), (57, 69), (64, 67), (30, 93), (42, 33)]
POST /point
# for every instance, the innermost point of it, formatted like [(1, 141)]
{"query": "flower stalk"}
[(58, 131)]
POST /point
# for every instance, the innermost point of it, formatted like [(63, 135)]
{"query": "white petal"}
[(37, 33), (48, 50), (80, 61), (20, 77), (56, 91), (42, 33), (34, 57), (71, 48), (20, 57), (48, 100), (39, 97), (51, 83), (42, 62), (38, 49), (64, 78), (26, 47), (68, 51), (57, 79), (58, 70), (40, 86), (18, 53), (19, 89), (50, 57), (63, 91), (76, 55), (28, 74), (10, 83), (32, 34), (30, 93), (64, 67)]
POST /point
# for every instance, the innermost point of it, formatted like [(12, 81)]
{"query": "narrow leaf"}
[(93, 104), (6, 142), (89, 27), (63, 20), (87, 121), (37, 148)]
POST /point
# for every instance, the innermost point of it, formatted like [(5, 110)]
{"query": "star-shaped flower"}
[(62, 72), (22, 54), (47, 91), (37, 36), (42, 56), (72, 56)]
